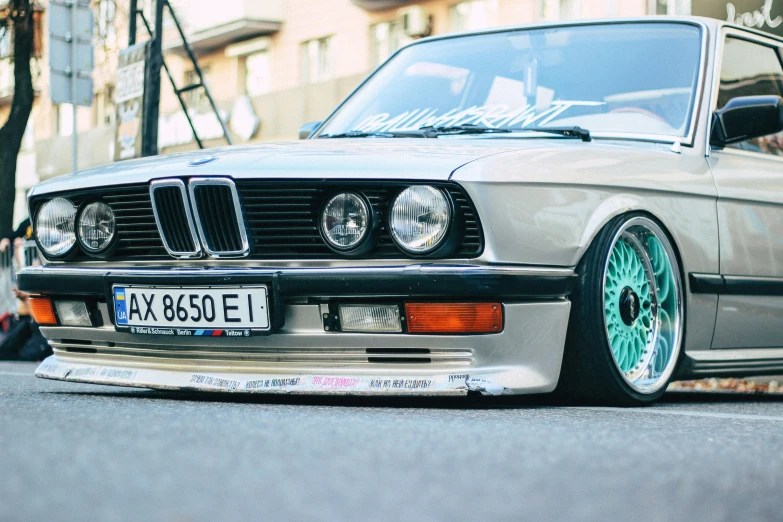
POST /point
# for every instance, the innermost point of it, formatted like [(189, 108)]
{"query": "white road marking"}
[(686, 413), (18, 374)]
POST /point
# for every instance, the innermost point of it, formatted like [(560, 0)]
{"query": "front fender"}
[(546, 208)]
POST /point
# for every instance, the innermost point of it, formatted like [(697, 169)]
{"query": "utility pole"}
[(74, 79), (132, 26), (152, 95), (71, 59)]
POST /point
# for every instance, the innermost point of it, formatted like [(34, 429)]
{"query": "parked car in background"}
[(593, 206)]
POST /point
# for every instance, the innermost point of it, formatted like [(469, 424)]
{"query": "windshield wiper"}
[(429, 131), (360, 134), (570, 132), (433, 131)]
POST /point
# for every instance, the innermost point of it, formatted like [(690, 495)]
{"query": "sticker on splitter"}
[(146, 330), (120, 307)]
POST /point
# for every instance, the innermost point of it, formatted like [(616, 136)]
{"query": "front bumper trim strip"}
[(448, 281)]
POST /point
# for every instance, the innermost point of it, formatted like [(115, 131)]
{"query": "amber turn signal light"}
[(454, 317), (43, 311)]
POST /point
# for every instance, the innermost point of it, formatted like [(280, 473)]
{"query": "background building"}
[(271, 65)]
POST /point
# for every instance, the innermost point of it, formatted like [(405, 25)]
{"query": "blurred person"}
[(7, 254), (22, 233), (17, 237), (24, 342)]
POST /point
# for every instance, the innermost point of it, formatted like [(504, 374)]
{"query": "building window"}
[(385, 38), (197, 98), (670, 7), (103, 107), (148, 8), (107, 11), (258, 79), (473, 15), (554, 10), (6, 45), (65, 119), (38, 34), (6, 80), (570, 9), (316, 60)]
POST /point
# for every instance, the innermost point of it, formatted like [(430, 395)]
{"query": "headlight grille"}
[(137, 234), (281, 218)]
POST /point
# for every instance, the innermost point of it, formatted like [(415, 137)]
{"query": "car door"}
[(749, 178)]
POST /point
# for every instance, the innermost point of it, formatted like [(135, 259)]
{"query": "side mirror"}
[(308, 128), (747, 117)]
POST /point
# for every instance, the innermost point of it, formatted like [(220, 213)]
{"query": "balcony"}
[(210, 25), (380, 5)]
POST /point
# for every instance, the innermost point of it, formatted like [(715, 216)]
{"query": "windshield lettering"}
[(487, 116)]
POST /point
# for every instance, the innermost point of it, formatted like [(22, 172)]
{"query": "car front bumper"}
[(299, 356)]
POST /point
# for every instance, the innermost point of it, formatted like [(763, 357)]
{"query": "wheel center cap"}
[(629, 305)]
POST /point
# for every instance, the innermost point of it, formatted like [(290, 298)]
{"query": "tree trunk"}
[(11, 134)]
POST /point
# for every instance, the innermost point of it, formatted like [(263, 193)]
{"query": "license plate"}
[(199, 310)]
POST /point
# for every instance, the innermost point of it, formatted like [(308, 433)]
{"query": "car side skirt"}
[(745, 362), (736, 285)]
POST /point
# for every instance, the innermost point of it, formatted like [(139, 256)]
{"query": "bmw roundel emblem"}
[(201, 161)]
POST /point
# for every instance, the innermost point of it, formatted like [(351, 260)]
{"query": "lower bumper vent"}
[(398, 355)]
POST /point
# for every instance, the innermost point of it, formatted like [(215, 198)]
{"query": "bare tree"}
[(15, 16)]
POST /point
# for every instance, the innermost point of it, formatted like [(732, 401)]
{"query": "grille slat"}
[(223, 218), (176, 212), (122, 204), (229, 213), (219, 210)]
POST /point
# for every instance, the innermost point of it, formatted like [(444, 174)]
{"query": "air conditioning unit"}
[(415, 21)]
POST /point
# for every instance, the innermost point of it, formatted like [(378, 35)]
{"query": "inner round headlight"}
[(419, 219), (96, 227), (345, 221), (55, 226)]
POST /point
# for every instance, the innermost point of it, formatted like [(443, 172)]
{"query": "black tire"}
[(590, 373)]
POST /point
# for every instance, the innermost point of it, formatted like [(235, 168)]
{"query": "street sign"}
[(765, 15), (70, 52), (129, 101)]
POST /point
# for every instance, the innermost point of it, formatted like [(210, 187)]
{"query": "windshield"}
[(623, 78)]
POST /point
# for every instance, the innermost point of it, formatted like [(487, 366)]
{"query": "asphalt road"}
[(82, 452)]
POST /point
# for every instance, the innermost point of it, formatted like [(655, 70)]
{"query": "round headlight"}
[(419, 219), (55, 226), (345, 221), (96, 227)]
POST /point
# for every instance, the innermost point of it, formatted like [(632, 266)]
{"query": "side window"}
[(751, 69)]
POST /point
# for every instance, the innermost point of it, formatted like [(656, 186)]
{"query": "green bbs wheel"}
[(626, 326)]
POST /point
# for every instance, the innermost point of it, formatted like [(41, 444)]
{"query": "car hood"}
[(381, 158)]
